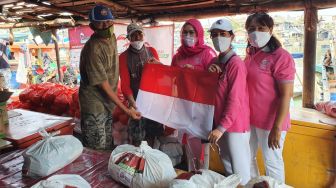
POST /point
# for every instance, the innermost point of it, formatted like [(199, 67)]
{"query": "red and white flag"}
[(179, 98)]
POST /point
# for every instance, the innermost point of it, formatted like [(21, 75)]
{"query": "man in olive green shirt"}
[(99, 79)]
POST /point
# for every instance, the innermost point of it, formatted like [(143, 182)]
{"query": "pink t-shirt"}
[(232, 101), (200, 61), (265, 71)]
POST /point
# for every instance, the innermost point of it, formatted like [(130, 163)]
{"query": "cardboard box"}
[(24, 126)]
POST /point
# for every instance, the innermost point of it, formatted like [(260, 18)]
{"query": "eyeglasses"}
[(190, 32), (217, 34)]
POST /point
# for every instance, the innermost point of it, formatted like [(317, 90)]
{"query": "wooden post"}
[(54, 37), (309, 59)]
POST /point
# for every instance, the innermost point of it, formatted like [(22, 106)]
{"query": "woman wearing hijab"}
[(193, 54)]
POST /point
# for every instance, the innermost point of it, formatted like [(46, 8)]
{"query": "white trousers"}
[(272, 158), (235, 154)]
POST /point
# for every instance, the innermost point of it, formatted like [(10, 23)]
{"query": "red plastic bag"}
[(36, 95), (24, 95), (63, 101), (49, 96)]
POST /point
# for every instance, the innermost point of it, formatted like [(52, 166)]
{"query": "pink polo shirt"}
[(265, 71), (200, 61), (232, 102)]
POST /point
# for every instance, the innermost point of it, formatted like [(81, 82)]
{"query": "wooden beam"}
[(52, 23), (3, 2), (117, 6), (235, 10), (59, 9), (58, 61), (309, 58), (24, 15), (74, 3)]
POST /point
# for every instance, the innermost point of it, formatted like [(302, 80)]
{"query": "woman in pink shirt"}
[(193, 54), (232, 113), (270, 79)]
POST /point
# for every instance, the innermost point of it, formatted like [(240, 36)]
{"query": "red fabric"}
[(180, 83), (124, 74), (200, 46)]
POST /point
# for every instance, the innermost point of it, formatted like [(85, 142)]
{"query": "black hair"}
[(266, 20)]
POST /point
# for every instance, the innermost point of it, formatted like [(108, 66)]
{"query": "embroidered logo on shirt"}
[(265, 64)]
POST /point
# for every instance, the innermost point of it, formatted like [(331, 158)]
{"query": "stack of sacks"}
[(63, 181), (49, 98), (328, 108), (206, 179), (50, 154), (265, 182), (139, 167), (170, 146)]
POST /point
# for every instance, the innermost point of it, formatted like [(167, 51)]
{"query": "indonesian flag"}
[(179, 98)]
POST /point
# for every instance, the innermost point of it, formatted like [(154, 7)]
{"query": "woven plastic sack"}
[(139, 167)]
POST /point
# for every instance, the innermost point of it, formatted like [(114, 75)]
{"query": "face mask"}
[(221, 44), (259, 39), (189, 41), (105, 33), (137, 44)]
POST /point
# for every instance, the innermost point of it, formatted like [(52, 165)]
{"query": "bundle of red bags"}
[(49, 98)]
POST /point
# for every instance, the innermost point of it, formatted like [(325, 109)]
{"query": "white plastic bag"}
[(273, 183), (170, 146), (63, 180), (208, 179), (139, 167), (50, 154)]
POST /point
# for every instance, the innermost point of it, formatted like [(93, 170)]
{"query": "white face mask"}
[(189, 41), (221, 44), (259, 39), (137, 44)]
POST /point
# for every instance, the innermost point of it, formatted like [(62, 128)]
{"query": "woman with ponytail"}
[(270, 79)]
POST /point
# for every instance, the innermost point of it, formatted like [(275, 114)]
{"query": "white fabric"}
[(158, 170), (272, 158), (208, 179), (63, 180), (51, 154), (137, 44), (273, 183), (222, 24), (189, 41), (186, 116), (221, 44), (235, 154), (259, 39)]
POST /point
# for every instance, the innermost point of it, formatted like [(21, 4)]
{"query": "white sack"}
[(63, 180), (273, 183), (139, 167), (208, 179), (50, 154)]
